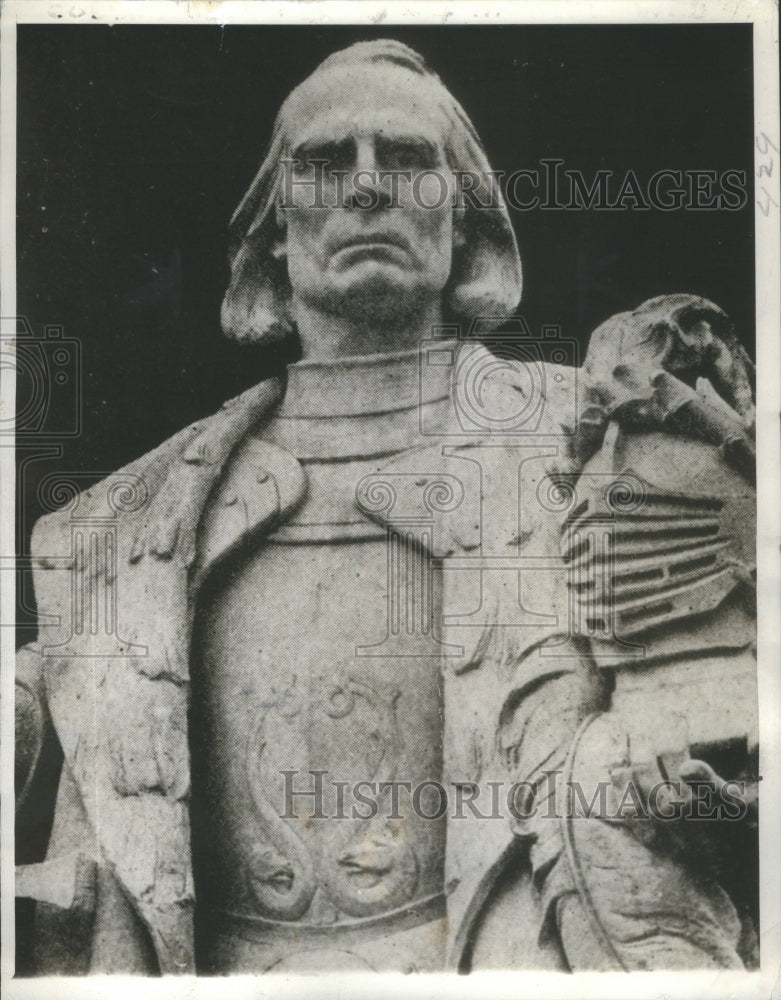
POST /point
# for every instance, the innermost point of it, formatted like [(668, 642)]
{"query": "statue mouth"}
[(370, 246), (380, 240)]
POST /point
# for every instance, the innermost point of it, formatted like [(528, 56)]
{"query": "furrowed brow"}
[(316, 144), (407, 139)]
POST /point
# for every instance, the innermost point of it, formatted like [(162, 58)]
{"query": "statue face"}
[(378, 262)]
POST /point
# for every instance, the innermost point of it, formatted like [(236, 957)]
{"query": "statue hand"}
[(698, 775), (675, 809)]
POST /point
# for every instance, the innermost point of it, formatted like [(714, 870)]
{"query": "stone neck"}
[(364, 384)]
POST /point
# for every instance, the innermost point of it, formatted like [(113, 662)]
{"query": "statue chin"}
[(380, 296)]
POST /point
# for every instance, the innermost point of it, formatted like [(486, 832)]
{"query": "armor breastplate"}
[(309, 848)]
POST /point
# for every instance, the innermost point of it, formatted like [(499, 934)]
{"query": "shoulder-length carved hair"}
[(485, 279)]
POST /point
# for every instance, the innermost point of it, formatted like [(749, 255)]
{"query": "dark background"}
[(135, 144)]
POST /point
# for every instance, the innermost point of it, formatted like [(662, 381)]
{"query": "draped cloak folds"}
[(117, 573)]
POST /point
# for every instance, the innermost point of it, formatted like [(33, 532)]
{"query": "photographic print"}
[(390, 405)]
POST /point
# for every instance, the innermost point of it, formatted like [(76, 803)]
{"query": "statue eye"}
[(327, 156), (407, 155)]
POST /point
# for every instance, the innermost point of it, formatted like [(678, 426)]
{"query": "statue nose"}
[(365, 154), (366, 192), (369, 197)]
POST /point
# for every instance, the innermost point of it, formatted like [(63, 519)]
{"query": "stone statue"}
[(353, 577), (658, 533)]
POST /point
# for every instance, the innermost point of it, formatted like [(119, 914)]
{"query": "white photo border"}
[(763, 15)]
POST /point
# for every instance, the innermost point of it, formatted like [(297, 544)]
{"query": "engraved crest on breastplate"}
[(355, 860)]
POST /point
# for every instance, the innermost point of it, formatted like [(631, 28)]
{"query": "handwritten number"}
[(768, 199)]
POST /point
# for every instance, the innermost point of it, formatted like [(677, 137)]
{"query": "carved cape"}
[(121, 567)]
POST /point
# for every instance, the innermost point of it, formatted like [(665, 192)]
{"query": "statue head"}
[(356, 207)]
